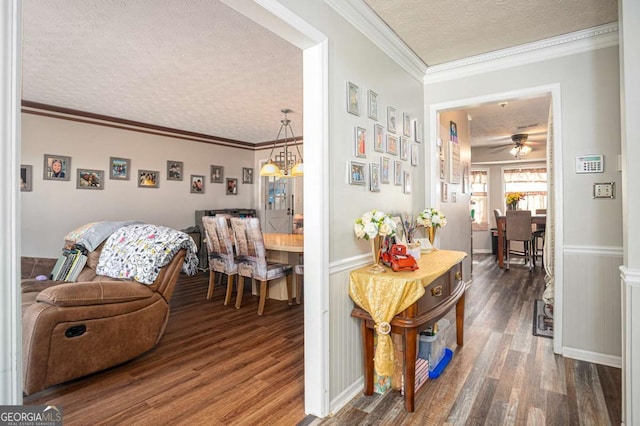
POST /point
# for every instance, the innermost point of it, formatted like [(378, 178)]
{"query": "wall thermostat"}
[(590, 163), (604, 190)]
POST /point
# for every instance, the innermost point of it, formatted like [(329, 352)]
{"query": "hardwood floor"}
[(503, 374), (216, 365)]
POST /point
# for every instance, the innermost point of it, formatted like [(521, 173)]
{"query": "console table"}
[(404, 303)]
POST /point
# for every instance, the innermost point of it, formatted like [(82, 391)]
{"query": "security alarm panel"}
[(590, 163)]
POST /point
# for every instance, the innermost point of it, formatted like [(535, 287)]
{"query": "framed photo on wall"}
[(148, 179), (356, 173), (397, 173), (26, 178), (197, 184), (90, 179), (372, 98), (374, 177), (360, 142), (391, 119), (217, 174), (406, 184), (404, 148), (57, 167), (232, 186), (353, 99), (174, 170), (119, 168), (247, 175), (385, 167), (406, 124), (453, 131), (378, 138), (417, 131)]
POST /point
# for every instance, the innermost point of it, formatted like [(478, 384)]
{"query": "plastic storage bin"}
[(433, 348)]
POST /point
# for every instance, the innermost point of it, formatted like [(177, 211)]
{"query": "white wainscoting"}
[(347, 372), (591, 327)]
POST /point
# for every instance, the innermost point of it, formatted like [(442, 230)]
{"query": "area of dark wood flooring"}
[(503, 375), (216, 365)]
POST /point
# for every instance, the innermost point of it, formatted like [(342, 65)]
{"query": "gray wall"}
[(590, 123)]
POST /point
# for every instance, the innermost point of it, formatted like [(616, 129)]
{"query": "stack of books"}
[(68, 265)]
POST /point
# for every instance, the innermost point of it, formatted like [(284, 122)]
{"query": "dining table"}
[(283, 248), (501, 224)]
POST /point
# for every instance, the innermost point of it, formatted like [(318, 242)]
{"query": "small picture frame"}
[(372, 98), (385, 167), (404, 148), (119, 168), (357, 173), (453, 131), (406, 184), (175, 170), (232, 186), (378, 138), (415, 154), (197, 184), (374, 177), (26, 178), (397, 173), (353, 99), (360, 142), (90, 179), (217, 174), (57, 167), (392, 144), (444, 192), (406, 124), (247, 175), (148, 179), (417, 131), (391, 119)]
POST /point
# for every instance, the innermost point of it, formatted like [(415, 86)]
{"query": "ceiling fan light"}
[(270, 169), (524, 150)]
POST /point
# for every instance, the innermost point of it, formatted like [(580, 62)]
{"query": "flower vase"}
[(432, 236), (513, 206), (376, 268)]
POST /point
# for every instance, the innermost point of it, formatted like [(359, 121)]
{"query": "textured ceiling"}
[(446, 30), (199, 66), (193, 65)]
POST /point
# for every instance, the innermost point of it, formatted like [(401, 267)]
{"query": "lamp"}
[(290, 167), (520, 150)]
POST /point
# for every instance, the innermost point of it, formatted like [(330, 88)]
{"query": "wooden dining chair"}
[(519, 229), (299, 271), (221, 253), (497, 213), (250, 247)]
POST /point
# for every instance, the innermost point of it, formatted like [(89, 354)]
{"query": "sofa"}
[(72, 329)]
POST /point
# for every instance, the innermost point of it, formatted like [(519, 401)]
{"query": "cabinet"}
[(415, 299)]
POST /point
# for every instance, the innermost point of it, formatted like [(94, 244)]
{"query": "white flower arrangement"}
[(374, 223), (431, 218)]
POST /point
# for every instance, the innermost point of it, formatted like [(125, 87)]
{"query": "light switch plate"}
[(604, 190)]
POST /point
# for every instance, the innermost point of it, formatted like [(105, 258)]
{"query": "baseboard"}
[(594, 357), (482, 251), (346, 396)]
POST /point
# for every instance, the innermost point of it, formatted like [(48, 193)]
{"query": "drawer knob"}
[(458, 275), (436, 291)]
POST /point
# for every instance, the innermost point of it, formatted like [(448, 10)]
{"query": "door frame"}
[(432, 192)]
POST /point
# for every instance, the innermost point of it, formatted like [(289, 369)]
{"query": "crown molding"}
[(360, 15), (541, 50)]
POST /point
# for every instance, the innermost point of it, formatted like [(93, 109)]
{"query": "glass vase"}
[(376, 244)]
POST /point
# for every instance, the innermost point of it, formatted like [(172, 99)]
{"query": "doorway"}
[(553, 162)]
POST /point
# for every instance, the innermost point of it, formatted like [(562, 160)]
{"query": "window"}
[(532, 182), (479, 200)]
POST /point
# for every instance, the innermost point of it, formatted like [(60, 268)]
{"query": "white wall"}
[(590, 125), (352, 57), (54, 208)]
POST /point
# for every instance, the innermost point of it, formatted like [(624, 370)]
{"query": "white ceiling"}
[(199, 66)]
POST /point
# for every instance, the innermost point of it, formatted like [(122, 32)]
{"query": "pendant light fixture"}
[(291, 168)]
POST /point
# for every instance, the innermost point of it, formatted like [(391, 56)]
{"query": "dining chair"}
[(299, 271), (250, 247), (221, 253), (519, 229), (496, 214)]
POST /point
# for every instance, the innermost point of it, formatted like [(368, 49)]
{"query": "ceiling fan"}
[(520, 145)]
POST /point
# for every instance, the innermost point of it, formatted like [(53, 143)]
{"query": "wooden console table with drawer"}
[(404, 303)]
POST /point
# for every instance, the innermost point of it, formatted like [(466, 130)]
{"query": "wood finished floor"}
[(216, 365), (503, 375)]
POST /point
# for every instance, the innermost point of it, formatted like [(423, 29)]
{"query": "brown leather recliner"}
[(70, 330)]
